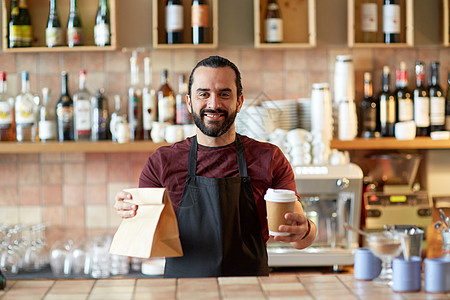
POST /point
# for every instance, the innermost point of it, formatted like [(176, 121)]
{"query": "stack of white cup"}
[(298, 146), (321, 123), (344, 98)]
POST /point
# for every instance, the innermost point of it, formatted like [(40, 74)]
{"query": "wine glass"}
[(385, 245)]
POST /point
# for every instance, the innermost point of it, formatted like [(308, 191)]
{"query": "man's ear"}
[(188, 104), (240, 102)]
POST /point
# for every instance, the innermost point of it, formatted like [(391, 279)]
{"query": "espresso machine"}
[(331, 196)]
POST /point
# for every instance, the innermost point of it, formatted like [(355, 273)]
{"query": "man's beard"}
[(213, 129)]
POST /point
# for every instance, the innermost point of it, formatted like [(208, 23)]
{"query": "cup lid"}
[(280, 195)]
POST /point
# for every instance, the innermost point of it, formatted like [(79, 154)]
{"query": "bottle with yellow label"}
[(14, 28), (25, 24), (26, 111)]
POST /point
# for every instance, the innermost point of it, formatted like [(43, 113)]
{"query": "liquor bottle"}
[(369, 21), (388, 114), (273, 24), (53, 32), (47, 118), (100, 116), (182, 114), (405, 109), (200, 21), (149, 102), (447, 105), (6, 111), (102, 29), (2, 280), (437, 100), (64, 112), (25, 24), (391, 21), (82, 110), (368, 110), (174, 21), (25, 111), (116, 115), (166, 100), (421, 102), (74, 30), (134, 101), (14, 28)]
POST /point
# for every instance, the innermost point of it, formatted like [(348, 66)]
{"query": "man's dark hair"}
[(217, 62)]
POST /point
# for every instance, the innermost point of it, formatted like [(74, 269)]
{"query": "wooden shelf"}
[(419, 143), (299, 24), (445, 12), (39, 9), (159, 27), (354, 38), (101, 146)]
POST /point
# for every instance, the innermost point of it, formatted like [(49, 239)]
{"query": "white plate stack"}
[(284, 112), (304, 113), (255, 122)]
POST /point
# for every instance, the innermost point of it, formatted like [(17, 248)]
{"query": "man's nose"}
[(213, 101)]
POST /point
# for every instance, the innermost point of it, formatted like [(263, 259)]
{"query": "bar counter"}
[(279, 286)]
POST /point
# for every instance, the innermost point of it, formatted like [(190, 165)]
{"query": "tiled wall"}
[(74, 192)]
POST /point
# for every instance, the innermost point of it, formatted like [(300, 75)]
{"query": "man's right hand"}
[(124, 209)]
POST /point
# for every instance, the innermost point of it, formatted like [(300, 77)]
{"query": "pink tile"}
[(296, 60), (29, 173), (96, 172), (273, 60), (52, 195), (251, 83), (117, 62), (74, 217), (140, 156), (9, 158), (9, 195), (96, 194), (25, 158), (273, 84), (52, 173), (231, 54), (30, 195), (26, 62), (73, 195), (76, 234), (317, 59), (8, 62), (119, 156), (95, 156), (251, 60), (74, 173), (53, 82), (53, 215), (49, 63), (8, 174), (383, 57), (53, 234), (116, 84), (136, 170), (74, 156), (51, 157), (71, 62), (94, 61), (118, 172), (296, 85)]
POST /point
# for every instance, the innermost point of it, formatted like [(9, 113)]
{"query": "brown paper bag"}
[(153, 232)]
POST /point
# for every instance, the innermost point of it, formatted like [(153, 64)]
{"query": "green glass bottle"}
[(25, 24), (2, 280), (15, 30), (74, 28), (53, 32), (102, 29)]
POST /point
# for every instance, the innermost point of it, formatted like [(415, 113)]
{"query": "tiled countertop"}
[(289, 286)]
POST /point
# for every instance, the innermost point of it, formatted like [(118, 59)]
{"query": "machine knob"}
[(343, 183)]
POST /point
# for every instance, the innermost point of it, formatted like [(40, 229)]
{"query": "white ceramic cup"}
[(405, 130), (298, 136), (174, 133), (158, 131)]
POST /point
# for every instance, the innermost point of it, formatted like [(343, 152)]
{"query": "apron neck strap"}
[(240, 152)]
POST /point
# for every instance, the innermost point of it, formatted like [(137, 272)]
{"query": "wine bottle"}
[(6, 111), (134, 102), (53, 32), (149, 102), (273, 23), (116, 115), (166, 100), (82, 110), (421, 102), (74, 27), (369, 21), (405, 109), (447, 105), (25, 24), (391, 21), (388, 105), (14, 27), (200, 22), (64, 112), (25, 111), (368, 110), (102, 31), (47, 118), (100, 116), (182, 114), (437, 100), (174, 21)]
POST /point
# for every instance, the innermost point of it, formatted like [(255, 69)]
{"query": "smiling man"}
[(217, 181)]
